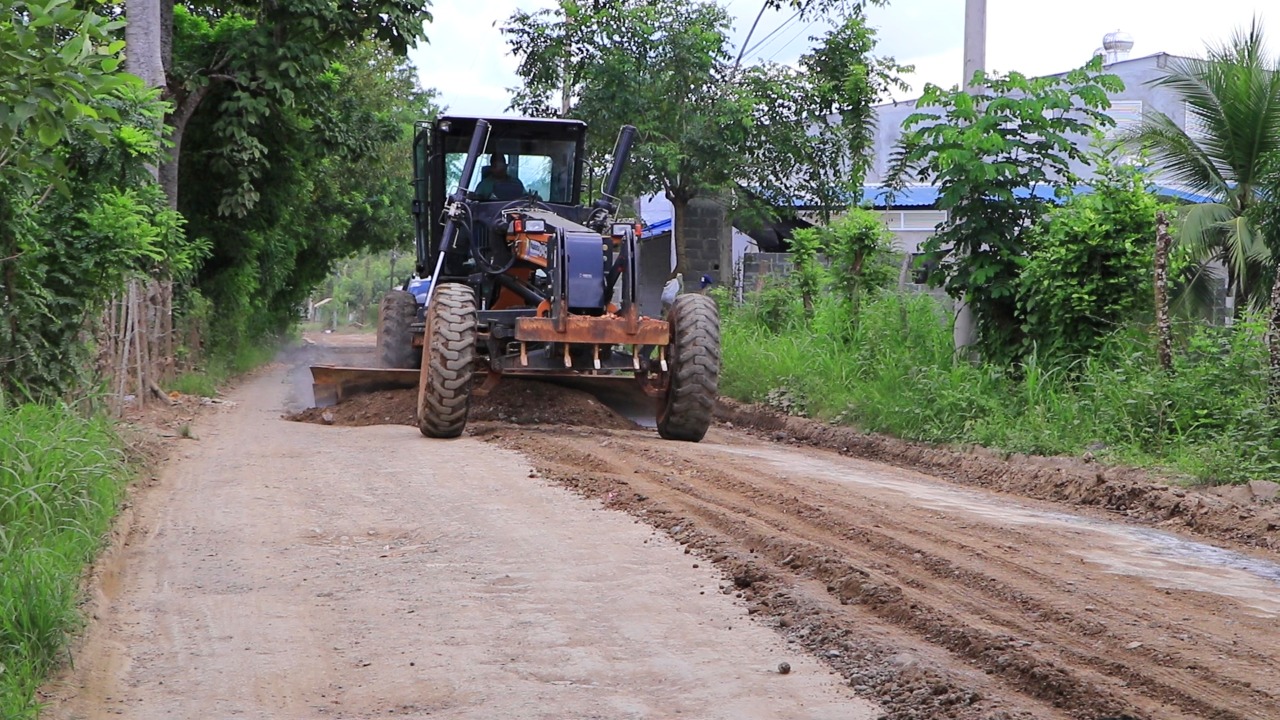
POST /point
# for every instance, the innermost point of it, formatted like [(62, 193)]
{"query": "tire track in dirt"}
[(936, 613), (982, 596)]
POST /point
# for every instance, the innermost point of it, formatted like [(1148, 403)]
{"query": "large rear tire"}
[(448, 359), (694, 361), (396, 314)]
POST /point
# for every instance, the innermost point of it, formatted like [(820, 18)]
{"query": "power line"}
[(795, 37), (752, 31), (776, 30)]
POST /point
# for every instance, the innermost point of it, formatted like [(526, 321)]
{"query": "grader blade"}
[(332, 384)]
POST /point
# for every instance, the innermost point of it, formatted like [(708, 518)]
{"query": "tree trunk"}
[(145, 43), (169, 168), (679, 218), (1273, 346), (142, 36), (166, 35), (1164, 331), (855, 290)]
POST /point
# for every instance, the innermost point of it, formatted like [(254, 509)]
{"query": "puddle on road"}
[(1169, 560)]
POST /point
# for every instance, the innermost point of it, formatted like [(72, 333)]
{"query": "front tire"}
[(396, 314), (694, 376), (448, 361)]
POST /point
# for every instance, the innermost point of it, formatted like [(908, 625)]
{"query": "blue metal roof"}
[(1168, 191), (656, 228), (915, 196), (924, 196)]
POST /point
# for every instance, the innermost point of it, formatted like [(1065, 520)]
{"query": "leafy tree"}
[(659, 66), (73, 146), (809, 275), (997, 156), (813, 126), (1232, 98), (859, 245), (821, 7), (339, 182), (259, 56), (849, 256), (1089, 268), (705, 125)]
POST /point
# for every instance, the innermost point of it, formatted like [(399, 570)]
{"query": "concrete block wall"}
[(709, 242), (758, 268)]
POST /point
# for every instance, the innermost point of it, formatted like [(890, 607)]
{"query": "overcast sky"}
[(468, 61)]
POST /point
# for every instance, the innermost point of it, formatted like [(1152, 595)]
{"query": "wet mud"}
[(940, 600)]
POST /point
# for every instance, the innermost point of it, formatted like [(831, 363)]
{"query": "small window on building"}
[(1127, 114), (892, 220), (1194, 125), (923, 219)]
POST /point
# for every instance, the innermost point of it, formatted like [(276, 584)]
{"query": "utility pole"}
[(975, 59), (564, 71)]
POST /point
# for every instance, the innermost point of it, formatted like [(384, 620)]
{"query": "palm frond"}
[(1201, 229), (1175, 152), (1195, 292), (1233, 98)]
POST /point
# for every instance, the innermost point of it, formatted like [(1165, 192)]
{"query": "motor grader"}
[(517, 277)]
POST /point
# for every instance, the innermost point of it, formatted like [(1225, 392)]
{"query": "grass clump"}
[(890, 368), (206, 380), (61, 476)]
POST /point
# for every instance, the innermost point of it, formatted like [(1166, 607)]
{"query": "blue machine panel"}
[(584, 263)]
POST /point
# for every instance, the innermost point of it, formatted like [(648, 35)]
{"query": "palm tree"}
[(1232, 100)]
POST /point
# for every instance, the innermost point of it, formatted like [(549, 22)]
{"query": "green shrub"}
[(897, 374), (1089, 267)]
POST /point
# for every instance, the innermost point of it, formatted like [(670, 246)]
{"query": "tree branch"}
[(190, 103)]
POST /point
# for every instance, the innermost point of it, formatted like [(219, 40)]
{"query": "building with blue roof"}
[(912, 212)]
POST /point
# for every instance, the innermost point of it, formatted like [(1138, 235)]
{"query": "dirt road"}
[(284, 570), (278, 559)]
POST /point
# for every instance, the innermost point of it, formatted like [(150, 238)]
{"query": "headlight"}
[(620, 229), (535, 226)]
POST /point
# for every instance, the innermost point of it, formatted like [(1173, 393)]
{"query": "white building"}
[(913, 215)]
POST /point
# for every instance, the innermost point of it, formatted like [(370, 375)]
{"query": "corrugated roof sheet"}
[(923, 196), (657, 228)]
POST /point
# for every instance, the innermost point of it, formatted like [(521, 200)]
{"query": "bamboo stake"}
[(1273, 346), (140, 342), (1164, 332), (122, 375)]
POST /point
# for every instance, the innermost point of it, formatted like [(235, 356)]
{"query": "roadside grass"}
[(222, 367), (61, 476), (893, 371)]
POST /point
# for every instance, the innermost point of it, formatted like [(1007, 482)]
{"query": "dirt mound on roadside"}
[(519, 402), (1126, 491), (385, 407)]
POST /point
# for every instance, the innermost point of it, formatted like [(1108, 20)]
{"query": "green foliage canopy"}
[(76, 215), (813, 126), (1089, 269), (992, 153), (339, 181), (706, 125)]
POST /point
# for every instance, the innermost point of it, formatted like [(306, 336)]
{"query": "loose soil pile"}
[(519, 402)]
